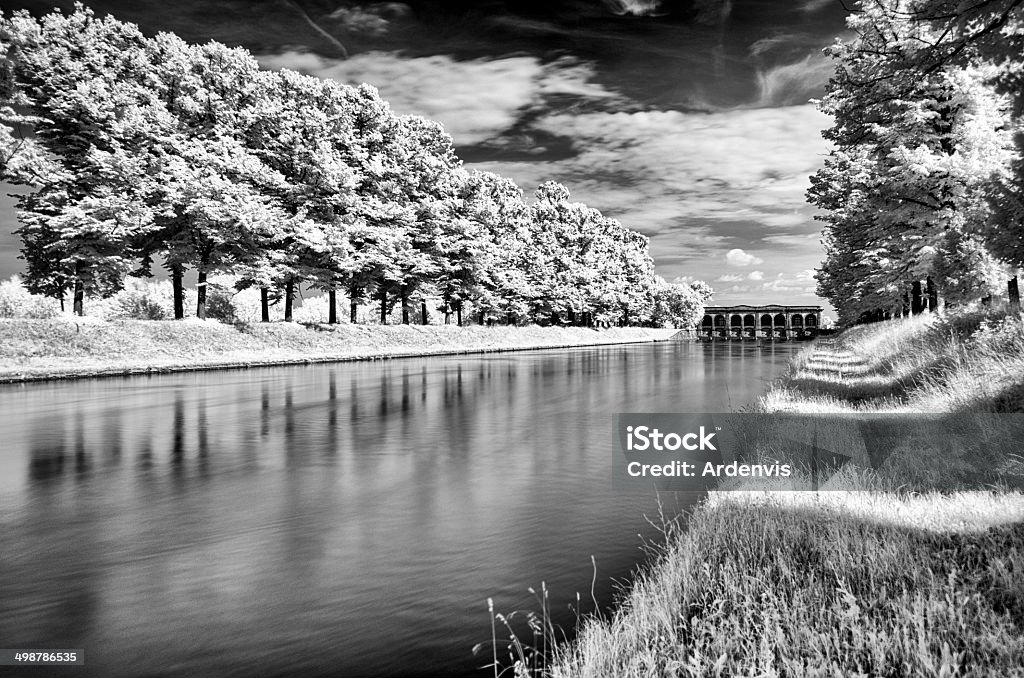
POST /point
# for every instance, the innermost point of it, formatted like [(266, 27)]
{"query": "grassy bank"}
[(63, 348), (885, 581)]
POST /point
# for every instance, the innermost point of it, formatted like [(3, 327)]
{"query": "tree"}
[(903, 188), (678, 304), (77, 78), (150, 149)]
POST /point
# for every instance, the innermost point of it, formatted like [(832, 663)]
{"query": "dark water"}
[(338, 520)]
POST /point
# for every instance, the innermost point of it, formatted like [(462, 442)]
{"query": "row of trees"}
[(923, 192), (151, 150)]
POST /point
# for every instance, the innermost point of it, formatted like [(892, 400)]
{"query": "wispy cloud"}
[(794, 83), (810, 6), (475, 100), (699, 184)]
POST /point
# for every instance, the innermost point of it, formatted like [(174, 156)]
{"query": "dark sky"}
[(687, 120)]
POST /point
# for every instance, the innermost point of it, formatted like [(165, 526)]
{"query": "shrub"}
[(220, 304), (17, 302), (313, 310), (140, 300)]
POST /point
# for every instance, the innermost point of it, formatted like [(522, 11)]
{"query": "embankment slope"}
[(65, 348), (883, 581)]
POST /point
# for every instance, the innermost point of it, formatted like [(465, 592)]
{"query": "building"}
[(771, 322)]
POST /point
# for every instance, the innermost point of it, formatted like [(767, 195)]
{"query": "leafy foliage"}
[(918, 184), (145, 150)]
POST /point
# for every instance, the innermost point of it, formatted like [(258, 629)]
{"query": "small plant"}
[(535, 643), (525, 658)]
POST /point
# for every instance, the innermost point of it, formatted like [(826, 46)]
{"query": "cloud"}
[(755, 275), (738, 257), (810, 6), (475, 100), (794, 83), (634, 7), (800, 284), (698, 184), (729, 277), (793, 240)]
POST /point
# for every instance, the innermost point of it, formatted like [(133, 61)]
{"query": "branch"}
[(967, 40)]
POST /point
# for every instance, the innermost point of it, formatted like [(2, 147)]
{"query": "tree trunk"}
[(178, 291), (78, 305), (383, 306), (572, 317), (424, 318), (1013, 293), (289, 294), (458, 313), (264, 305), (405, 305), (447, 313), (916, 298), (353, 308), (933, 295), (332, 312), (201, 295)]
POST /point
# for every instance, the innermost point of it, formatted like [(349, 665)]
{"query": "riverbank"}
[(879, 581), (65, 348)]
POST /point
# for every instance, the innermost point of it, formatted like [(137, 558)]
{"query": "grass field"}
[(67, 348), (888, 579)]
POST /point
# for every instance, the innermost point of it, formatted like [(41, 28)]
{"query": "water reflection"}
[(346, 519)]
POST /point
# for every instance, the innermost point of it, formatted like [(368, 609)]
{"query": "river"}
[(332, 520)]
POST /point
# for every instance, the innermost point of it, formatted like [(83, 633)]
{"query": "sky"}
[(687, 120)]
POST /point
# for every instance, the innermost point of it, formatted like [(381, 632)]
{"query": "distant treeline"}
[(146, 151), (923, 192)]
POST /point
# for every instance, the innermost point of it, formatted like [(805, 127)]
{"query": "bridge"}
[(771, 322)]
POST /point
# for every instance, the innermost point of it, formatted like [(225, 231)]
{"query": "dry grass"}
[(64, 347)]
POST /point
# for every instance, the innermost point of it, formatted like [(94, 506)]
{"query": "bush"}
[(313, 310), (17, 302), (220, 304), (140, 300)]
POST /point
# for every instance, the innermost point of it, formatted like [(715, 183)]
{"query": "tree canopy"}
[(922, 186), (144, 150)]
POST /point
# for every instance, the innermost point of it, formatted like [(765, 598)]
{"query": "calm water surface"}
[(332, 520)]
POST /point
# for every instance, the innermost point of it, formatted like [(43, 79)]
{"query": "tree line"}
[(144, 151), (923, 191)]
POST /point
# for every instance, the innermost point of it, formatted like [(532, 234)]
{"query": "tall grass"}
[(801, 584), (882, 581), (972, 360)]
